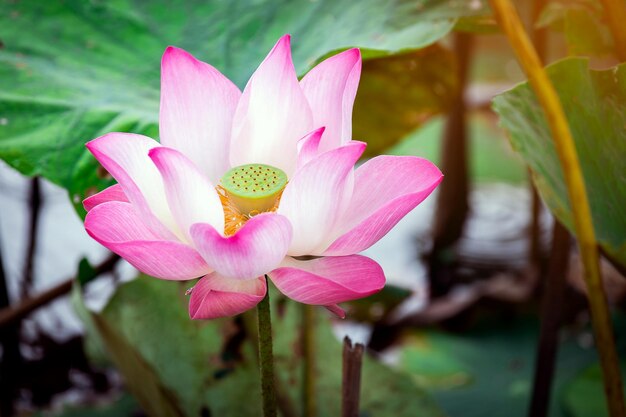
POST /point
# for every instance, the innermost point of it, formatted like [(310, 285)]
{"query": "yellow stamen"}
[(233, 218)]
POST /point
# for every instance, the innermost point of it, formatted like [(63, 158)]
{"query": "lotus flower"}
[(260, 182)]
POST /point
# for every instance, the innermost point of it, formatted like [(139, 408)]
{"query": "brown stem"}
[(35, 203), (351, 388), (534, 244), (12, 314), (452, 198), (11, 358), (551, 314)]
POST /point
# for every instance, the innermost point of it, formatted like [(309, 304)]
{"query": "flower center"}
[(248, 190)]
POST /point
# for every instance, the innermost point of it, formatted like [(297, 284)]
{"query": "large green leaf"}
[(176, 367), (595, 106), (398, 93), (72, 70)]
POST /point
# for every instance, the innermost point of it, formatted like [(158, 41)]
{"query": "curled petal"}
[(190, 195), (197, 108), (113, 193), (315, 197), (330, 88), (330, 280), (308, 146), (272, 115), (386, 188), (125, 157), (256, 248), (336, 310), (117, 226), (216, 296)]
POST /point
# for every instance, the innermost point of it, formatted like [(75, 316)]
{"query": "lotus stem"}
[(511, 25), (351, 381), (309, 403), (266, 357)]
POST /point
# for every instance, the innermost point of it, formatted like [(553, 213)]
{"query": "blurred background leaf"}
[(594, 103), (399, 93), (583, 23), (177, 367), (584, 396), (123, 406), (491, 158), (487, 370), (74, 70)]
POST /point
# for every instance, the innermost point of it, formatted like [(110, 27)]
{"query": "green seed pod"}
[(254, 188)]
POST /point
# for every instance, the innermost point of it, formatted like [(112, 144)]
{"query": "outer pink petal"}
[(113, 193), (386, 188), (191, 197), (256, 248), (216, 296), (116, 226), (330, 280), (330, 88), (314, 198), (125, 157), (308, 146), (336, 310), (272, 115), (197, 108)]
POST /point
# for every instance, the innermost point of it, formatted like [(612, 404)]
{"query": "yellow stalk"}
[(510, 23)]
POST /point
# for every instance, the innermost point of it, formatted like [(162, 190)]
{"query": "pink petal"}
[(315, 197), (386, 188), (191, 197), (272, 115), (308, 146), (197, 108), (330, 88), (330, 280), (125, 157), (113, 193), (216, 296), (117, 226), (336, 310), (255, 249)]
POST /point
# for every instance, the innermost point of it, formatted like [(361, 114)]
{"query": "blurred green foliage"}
[(488, 370), (124, 406), (583, 24), (399, 93), (595, 106), (490, 156), (176, 367), (73, 70), (584, 396)]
